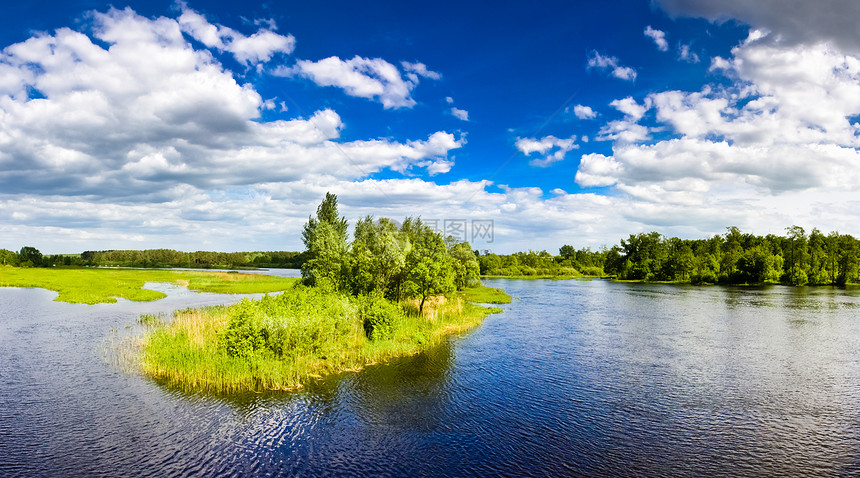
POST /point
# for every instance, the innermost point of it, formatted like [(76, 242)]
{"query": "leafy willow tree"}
[(466, 269), (325, 239), (428, 265), (377, 257)]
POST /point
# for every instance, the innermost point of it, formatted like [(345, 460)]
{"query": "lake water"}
[(574, 378)]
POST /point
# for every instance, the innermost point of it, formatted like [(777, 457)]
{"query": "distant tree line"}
[(31, 257), (415, 260), (797, 258), (739, 258), (383, 260), (570, 262)]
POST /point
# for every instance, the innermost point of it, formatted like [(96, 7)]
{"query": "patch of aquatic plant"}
[(93, 286), (282, 341), (151, 320)]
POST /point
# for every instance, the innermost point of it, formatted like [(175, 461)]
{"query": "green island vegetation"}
[(94, 286), (796, 258), (390, 292)]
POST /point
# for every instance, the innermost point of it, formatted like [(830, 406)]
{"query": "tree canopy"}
[(383, 260)]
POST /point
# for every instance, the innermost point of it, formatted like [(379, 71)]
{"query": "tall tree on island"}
[(325, 239)]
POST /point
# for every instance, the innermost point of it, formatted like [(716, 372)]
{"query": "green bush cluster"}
[(380, 317), (302, 322)]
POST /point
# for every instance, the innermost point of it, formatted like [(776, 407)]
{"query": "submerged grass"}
[(282, 342), (93, 286)]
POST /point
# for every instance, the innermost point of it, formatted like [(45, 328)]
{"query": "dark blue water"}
[(574, 378)]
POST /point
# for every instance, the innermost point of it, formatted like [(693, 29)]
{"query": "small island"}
[(391, 291)]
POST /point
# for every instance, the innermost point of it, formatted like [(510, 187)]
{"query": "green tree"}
[(796, 256), (8, 258), (566, 251), (832, 246), (732, 250), (325, 239), (848, 248), (614, 262), (428, 265), (817, 258), (378, 255), (466, 268), (30, 256), (490, 264), (644, 254)]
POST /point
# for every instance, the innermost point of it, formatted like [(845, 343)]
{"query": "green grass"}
[(93, 286), (282, 342), (486, 295)]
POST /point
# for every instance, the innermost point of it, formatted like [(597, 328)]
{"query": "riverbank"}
[(542, 277), (282, 342), (98, 285)]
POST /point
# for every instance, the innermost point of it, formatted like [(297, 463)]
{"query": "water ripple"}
[(574, 379)]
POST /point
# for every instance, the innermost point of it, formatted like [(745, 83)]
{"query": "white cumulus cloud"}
[(460, 114), (372, 78), (143, 111), (686, 54), (551, 148), (782, 141), (584, 112), (256, 48), (610, 63), (658, 36)]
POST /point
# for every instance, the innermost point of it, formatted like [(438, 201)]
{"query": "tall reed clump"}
[(280, 342)]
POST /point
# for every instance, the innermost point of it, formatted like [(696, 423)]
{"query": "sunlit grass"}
[(486, 295), (282, 342), (93, 286)]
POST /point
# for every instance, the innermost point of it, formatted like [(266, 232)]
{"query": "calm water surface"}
[(574, 378)]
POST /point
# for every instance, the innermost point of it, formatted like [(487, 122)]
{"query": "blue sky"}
[(220, 125)]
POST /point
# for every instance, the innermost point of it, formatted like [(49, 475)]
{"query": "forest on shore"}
[(796, 258), (155, 258)]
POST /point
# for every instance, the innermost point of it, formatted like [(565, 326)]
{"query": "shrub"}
[(242, 338), (380, 317)]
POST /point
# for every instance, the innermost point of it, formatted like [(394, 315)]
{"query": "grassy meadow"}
[(281, 342), (94, 286)]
